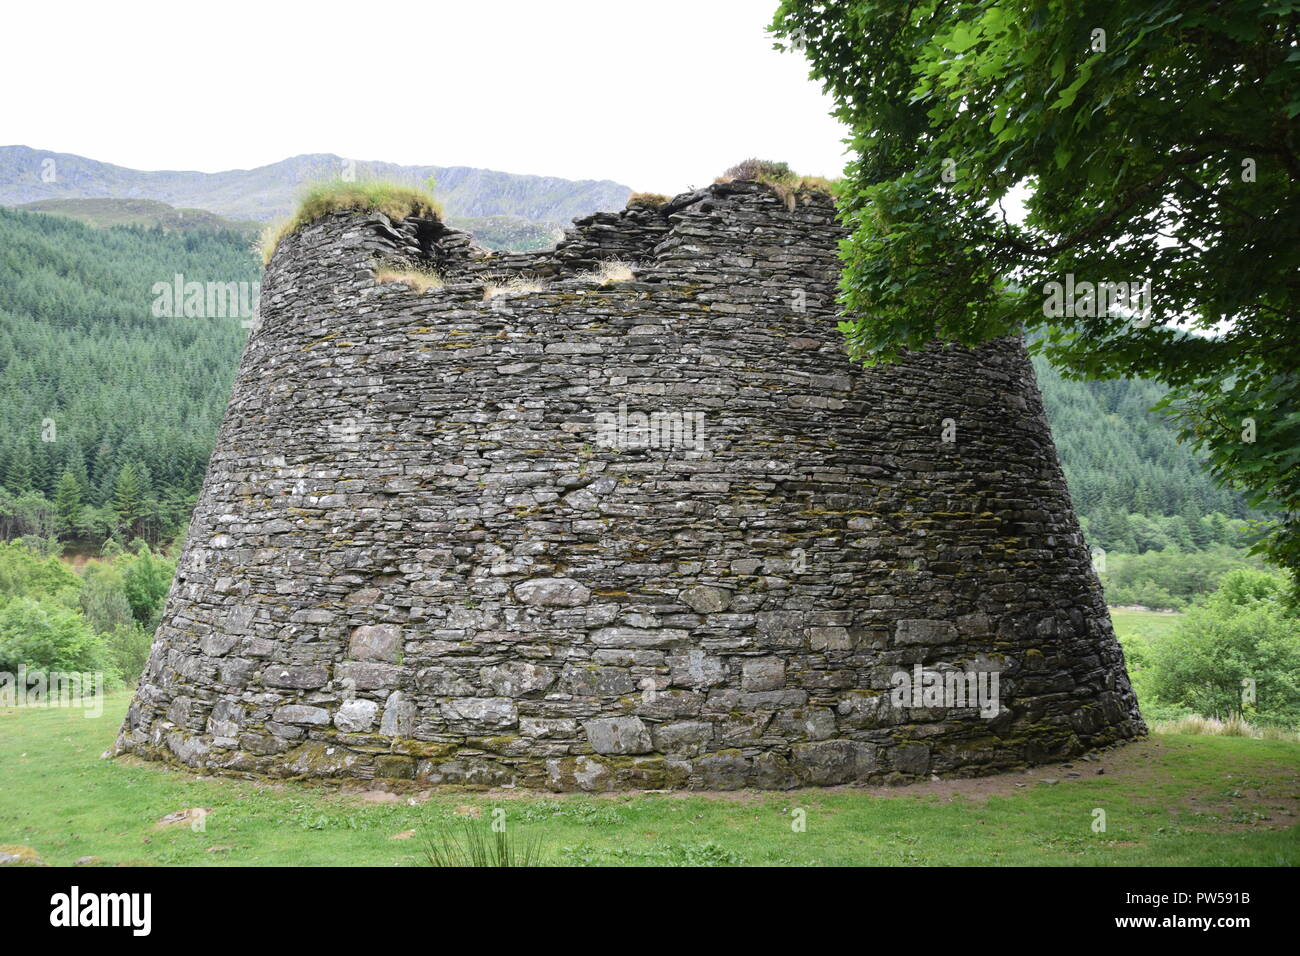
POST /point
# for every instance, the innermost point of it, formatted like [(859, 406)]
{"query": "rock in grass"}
[(16, 855), (187, 817)]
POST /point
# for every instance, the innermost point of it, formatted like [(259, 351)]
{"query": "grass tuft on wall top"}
[(394, 200), (784, 180)]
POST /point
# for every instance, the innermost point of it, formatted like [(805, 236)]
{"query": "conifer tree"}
[(68, 503), (128, 500)]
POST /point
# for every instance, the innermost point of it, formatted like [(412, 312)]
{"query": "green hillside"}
[(148, 213), (131, 402), (1135, 486)]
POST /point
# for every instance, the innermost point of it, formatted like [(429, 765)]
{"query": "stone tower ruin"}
[(557, 529)]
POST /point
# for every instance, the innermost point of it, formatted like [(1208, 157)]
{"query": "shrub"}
[(23, 572), (128, 650), (1244, 587), (1242, 632), (46, 637), (1171, 578), (103, 598), (1159, 715), (45, 547), (146, 578), (394, 200), (1145, 593), (106, 609)]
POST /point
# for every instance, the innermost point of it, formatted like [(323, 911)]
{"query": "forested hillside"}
[(109, 413), (141, 212), (1136, 488), (135, 401)]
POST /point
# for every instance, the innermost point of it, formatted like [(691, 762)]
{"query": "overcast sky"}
[(659, 96)]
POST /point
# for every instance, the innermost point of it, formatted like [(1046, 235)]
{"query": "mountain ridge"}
[(268, 192), (512, 233)]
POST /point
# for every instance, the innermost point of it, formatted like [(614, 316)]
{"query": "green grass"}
[(1137, 631), (1172, 800), (784, 181), (1142, 624), (394, 200)]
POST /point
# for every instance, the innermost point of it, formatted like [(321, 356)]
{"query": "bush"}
[(1169, 579), (128, 650), (1145, 593), (146, 579), (50, 547), (1242, 632), (100, 620), (46, 637), (105, 606), (103, 598), (1157, 713), (25, 573)]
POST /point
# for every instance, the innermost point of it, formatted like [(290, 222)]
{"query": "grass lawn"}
[(1137, 631), (1143, 625), (1169, 800)]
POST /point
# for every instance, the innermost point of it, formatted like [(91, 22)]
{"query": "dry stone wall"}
[(643, 534)]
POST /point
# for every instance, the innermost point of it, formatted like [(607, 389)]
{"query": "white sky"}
[(659, 96)]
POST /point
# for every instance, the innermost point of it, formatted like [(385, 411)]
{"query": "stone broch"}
[(417, 557)]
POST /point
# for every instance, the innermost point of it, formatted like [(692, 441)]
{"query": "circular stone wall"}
[(640, 534)]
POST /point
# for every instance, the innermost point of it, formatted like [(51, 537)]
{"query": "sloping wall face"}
[(643, 534)]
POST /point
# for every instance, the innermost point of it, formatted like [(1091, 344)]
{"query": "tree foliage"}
[(146, 579), (110, 412), (1169, 578), (27, 574), (1236, 654), (101, 618), (1154, 142), (48, 637)]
